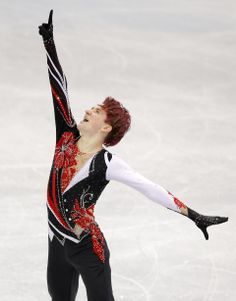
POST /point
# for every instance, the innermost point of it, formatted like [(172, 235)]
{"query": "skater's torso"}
[(75, 184), (80, 160)]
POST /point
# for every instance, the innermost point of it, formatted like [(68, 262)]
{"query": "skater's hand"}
[(46, 29), (203, 221)]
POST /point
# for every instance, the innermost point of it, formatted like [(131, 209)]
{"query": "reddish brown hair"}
[(118, 117)]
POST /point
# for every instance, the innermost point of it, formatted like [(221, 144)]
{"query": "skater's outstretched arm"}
[(63, 116), (120, 171)]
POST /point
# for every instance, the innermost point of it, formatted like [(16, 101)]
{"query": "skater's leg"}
[(62, 277), (96, 275)]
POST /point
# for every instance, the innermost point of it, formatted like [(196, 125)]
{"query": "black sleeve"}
[(64, 119)]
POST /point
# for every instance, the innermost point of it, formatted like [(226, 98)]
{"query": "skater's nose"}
[(88, 111)]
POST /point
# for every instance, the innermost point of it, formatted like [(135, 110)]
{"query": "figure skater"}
[(81, 169)]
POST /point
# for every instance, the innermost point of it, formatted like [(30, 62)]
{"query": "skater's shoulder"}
[(111, 156)]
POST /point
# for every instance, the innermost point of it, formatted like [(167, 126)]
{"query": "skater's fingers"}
[(50, 17), (221, 219), (204, 230), (42, 30)]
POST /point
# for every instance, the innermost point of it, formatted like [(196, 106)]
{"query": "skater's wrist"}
[(184, 211), (193, 215)]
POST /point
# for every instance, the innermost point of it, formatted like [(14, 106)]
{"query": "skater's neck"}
[(89, 145)]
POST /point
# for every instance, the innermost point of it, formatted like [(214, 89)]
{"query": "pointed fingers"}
[(224, 219), (221, 220), (204, 230), (50, 17), (205, 233)]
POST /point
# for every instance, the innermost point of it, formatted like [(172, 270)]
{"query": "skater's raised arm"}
[(119, 170), (63, 117)]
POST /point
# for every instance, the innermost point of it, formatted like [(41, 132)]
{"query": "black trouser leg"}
[(62, 277), (66, 263), (96, 275)]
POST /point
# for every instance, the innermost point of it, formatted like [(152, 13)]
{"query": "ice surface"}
[(173, 65)]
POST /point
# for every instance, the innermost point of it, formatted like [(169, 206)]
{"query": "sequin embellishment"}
[(84, 217), (178, 202)]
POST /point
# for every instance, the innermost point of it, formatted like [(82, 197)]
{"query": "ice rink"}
[(173, 65)]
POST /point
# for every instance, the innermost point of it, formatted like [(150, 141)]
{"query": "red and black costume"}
[(72, 201), (72, 196)]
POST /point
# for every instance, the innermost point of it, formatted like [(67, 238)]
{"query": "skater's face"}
[(94, 121)]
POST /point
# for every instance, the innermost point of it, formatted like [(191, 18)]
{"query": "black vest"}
[(86, 191)]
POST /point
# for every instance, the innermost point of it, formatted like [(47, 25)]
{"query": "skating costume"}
[(72, 195), (71, 198)]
